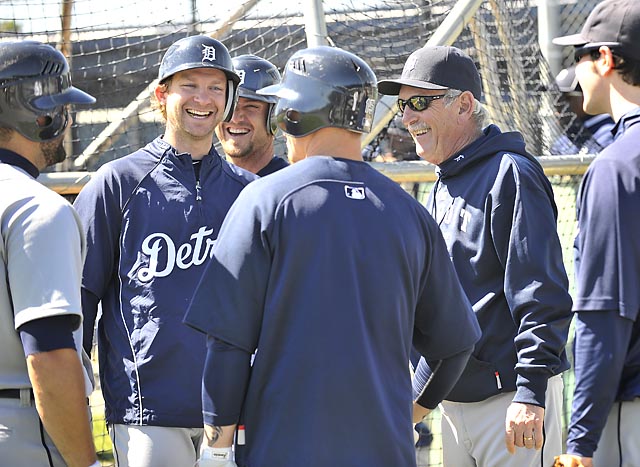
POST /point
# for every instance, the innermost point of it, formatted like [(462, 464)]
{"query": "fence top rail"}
[(70, 183)]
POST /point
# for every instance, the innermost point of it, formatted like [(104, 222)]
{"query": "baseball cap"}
[(567, 80), (436, 67), (614, 23)]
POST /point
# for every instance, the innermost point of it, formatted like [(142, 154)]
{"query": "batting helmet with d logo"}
[(256, 73), (201, 52)]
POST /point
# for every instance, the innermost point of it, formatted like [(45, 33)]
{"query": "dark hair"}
[(5, 133), (629, 68)]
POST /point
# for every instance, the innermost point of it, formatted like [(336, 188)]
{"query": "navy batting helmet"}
[(201, 52), (256, 73), (324, 87), (35, 87)]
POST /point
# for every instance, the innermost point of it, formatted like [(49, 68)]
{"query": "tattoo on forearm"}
[(213, 433)]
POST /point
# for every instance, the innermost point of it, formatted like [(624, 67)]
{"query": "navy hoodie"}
[(496, 210)]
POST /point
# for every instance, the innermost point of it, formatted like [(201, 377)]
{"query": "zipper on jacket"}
[(198, 190), (197, 171), (197, 168), (434, 190)]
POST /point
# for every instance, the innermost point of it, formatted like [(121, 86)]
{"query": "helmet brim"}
[(279, 91), (249, 94), (71, 95)]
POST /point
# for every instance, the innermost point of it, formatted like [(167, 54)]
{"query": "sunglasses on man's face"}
[(593, 52), (417, 103)]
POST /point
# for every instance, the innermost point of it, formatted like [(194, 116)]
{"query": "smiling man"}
[(247, 139), (150, 219), (496, 210)]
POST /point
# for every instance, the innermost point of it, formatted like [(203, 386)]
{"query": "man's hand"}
[(419, 412), (216, 457), (569, 460), (523, 426)]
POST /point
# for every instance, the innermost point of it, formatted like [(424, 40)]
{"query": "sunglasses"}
[(594, 51), (581, 52), (417, 103)]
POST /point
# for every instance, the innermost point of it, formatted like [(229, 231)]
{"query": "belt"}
[(10, 393)]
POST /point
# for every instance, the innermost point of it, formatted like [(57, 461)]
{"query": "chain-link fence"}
[(115, 49)]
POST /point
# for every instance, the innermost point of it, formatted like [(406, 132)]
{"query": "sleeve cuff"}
[(582, 451), (217, 420), (531, 389)]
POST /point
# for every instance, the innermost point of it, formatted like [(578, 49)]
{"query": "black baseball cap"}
[(436, 67), (614, 23)]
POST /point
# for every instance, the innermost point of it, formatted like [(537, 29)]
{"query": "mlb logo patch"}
[(354, 192)]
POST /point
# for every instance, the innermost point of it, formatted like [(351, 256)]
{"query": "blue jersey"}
[(331, 270), (150, 228), (276, 163), (497, 213), (607, 259)]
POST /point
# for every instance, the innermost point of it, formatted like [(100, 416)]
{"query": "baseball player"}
[(44, 417), (151, 219), (333, 332), (586, 133), (496, 211), (604, 429), (247, 139)]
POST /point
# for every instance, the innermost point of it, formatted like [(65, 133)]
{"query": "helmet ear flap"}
[(272, 123), (232, 99)]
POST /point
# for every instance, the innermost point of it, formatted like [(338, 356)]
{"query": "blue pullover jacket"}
[(150, 227), (496, 210)]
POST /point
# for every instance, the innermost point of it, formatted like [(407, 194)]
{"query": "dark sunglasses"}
[(418, 103), (581, 52), (594, 51)]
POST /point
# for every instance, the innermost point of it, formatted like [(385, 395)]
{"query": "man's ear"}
[(605, 63), (466, 103), (160, 92)]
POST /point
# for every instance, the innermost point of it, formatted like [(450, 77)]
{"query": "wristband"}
[(218, 454)]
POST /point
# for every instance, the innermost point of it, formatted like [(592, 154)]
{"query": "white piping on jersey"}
[(126, 328), (124, 321)]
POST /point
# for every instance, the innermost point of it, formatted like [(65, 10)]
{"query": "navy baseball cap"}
[(436, 67), (614, 23)]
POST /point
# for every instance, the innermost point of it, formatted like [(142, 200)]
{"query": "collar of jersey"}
[(15, 159)]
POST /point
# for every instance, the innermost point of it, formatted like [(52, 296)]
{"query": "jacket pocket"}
[(479, 381)]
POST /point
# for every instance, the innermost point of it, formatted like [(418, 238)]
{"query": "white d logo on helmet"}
[(208, 53), (241, 74)]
